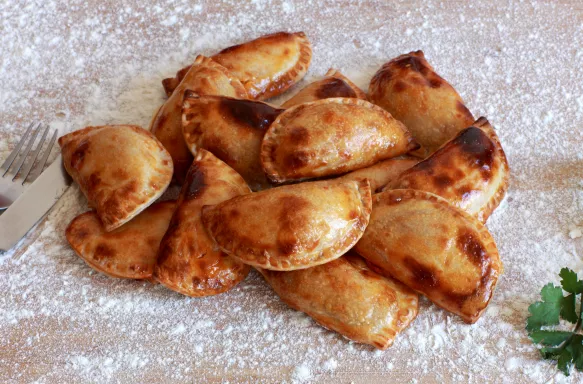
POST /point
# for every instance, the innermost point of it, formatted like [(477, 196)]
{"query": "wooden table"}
[(77, 63)]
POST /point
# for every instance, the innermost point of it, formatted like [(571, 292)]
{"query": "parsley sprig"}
[(564, 346)]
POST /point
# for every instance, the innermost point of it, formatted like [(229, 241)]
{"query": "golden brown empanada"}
[(330, 137), (121, 169), (126, 252), (383, 172), (291, 227), (434, 248), (334, 84), (346, 296), (470, 171), (205, 77), (231, 129), (414, 94), (188, 262), (266, 66)]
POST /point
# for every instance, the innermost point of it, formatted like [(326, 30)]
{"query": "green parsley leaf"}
[(570, 282), (564, 363), (568, 308), (576, 347), (551, 338), (550, 353), (545, 312), (563, 346)]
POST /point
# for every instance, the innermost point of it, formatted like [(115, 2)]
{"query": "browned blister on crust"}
[(291, 227), (470, 171), (330, 137), (383, 172), (204, 77), (334, 84), (413, 93), (231, 129), (434, 248), (346, 296), (188, 262), (121, 169), (126, 252)]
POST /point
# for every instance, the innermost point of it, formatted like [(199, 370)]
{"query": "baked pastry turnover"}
[(346, 296), (266, 66), (434, 248), (470, 171), (334, 84), (330, 137), (410, 90), (121, 169), (187, 261), (128, 251), (204, 77), (293, 226), (231, 129)]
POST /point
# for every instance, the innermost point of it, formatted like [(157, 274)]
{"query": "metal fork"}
[(16, 170)]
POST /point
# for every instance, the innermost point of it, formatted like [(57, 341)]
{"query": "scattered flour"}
[(79, 63), (302, 373)]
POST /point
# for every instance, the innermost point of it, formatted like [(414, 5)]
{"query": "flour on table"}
[(79, 63)]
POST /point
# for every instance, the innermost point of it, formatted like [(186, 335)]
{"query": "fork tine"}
[(24, 155), (8, 162), (34, 155), (41, 164)]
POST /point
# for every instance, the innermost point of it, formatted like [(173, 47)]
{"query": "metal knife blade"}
[(33, 204)]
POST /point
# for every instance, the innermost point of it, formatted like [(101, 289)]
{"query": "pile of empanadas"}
[(348, 204)]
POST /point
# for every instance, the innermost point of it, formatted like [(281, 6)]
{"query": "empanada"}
[(410, 90), (434, 248), (266, 66), (470, 171), (121, 169), (291, 227), (346, 296), (231, 129), (334, 84), (330, 137), (205, 77), (383, 172), (188, 262), (126, 252)]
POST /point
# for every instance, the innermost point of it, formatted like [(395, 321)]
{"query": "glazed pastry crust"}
[(383, 172), (121, 169), (330, 137), (231, 129), (470, 171), (127, 252), (434, 248), (205, 77), (188, 262), (267, 66), (410, 90), (291, 227), (346, 296), (335, 84)]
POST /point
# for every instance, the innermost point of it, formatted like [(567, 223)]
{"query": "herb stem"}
[(578, 325)]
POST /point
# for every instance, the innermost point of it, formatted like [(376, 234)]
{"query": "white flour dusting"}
[(79, 63)]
